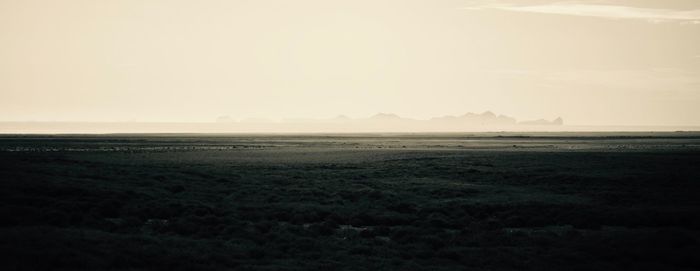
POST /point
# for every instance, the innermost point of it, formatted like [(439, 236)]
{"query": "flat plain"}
[(479, 201)]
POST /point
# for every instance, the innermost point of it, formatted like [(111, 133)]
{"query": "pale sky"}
[(591, 62)]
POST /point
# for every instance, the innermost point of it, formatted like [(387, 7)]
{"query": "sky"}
[(602, 62)]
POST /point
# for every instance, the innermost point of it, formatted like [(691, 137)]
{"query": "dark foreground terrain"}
[(354, 202)]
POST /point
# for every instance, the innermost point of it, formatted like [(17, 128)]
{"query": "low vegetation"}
[(323, 208)]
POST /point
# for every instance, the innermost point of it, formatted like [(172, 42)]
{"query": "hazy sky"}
[(634, 62)]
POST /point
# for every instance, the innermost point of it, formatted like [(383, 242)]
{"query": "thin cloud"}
[(601, 11)]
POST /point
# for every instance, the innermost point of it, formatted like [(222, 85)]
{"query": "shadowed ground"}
[(361, 202)]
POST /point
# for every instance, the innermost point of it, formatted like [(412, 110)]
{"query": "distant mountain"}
[(385, 116), (257, 120), (557, 121), (394, 122), (486, 118)]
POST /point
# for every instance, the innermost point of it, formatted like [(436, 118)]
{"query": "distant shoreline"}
[(306, 128)]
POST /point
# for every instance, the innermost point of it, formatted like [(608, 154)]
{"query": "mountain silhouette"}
[(389, 122), (486, 118), (385, 116), (557, 121)]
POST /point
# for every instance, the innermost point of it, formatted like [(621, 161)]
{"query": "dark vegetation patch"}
[(481, 210)]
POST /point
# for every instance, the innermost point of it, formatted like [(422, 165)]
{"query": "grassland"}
[(355, 202)]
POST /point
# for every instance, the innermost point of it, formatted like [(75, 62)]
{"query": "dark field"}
[(355, 202)]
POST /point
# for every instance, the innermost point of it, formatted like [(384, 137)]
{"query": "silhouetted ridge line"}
[(470, 119)]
